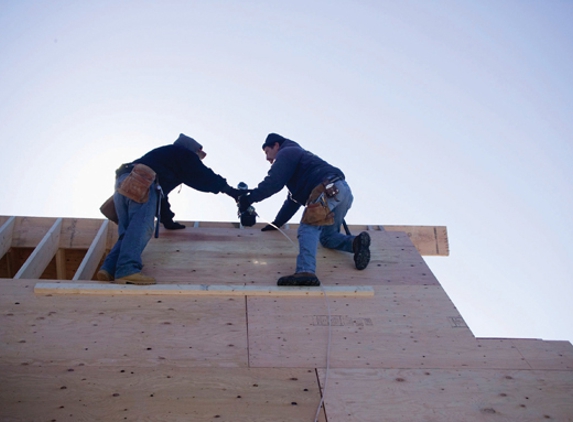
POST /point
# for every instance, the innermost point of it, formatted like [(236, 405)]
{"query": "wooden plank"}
[(94, 254), (396, 395), (43, 253), (200, 289), (61, 264), (6, 235)]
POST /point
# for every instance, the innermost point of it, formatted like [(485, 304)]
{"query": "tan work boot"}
[(103, 275), (137, 278)]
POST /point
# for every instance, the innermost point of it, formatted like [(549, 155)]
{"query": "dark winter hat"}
[(272, 138), (188, 143)]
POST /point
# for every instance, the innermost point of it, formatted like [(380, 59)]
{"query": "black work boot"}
[(299, 279), (172, 225), (361, 248)]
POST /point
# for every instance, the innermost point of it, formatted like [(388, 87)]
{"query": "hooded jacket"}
[(300, 171), (174, 165)]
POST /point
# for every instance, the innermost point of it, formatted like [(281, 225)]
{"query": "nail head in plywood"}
[(199, 289), (93, 255), (6, 236), (43, 253)]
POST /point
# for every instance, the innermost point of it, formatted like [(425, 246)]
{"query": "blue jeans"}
[(329, 236), (135, 229)]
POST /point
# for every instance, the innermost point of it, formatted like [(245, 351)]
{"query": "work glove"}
[(269, 227), (172, 225), (233, 193), (244, 201)]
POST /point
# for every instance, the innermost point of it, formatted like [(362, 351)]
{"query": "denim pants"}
[(329, 236), (135, 229)]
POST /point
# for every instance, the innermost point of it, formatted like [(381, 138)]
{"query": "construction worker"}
[(321, 188), (139, 187)]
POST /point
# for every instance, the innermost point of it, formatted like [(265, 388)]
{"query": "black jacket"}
[(175, 165)]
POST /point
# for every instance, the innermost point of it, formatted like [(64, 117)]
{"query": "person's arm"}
[(286, 212)]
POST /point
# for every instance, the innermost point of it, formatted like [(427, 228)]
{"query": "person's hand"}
[(234, 193), (269, 227), (172, 225), (244, 202)]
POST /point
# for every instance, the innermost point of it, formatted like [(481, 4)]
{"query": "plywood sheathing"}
[(208, 255), (404, 354), (135, 393), (397, 395)]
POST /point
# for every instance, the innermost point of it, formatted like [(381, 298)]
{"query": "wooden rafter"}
[(93, 255), (43, 253)]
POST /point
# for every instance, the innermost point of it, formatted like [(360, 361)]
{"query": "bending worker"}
[(139, 186), (321, 188)]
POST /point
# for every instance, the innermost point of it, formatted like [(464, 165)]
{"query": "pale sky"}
[(453, 113)]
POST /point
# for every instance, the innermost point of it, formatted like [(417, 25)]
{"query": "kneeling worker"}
[(320, 187), (139, 186)]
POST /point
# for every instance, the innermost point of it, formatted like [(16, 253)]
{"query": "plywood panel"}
[(162, 393), (396, 395), (101, 331), (245, 256), (541, 354), (401, 326)]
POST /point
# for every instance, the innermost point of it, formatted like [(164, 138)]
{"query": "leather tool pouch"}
[(317, 212), (108, 209), (136, 185)]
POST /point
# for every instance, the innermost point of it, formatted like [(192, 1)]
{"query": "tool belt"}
[(136, 185), (108, 210), (317, 211)]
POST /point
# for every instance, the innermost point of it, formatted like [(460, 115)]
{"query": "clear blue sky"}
[(455, 113)]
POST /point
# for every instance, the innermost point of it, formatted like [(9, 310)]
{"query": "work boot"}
[(103, 275), (299, 279), (172, 225), (361, 248), (137, 278)]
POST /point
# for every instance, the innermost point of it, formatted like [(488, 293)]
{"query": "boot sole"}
[(362, 255), (299, 282), (138, 283)]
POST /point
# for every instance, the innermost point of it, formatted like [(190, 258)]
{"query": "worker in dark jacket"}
[(321, 188), (169, 166)]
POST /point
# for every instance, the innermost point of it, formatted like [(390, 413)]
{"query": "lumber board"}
[(6, 231), (395, 395), (200, 290), (94, 254), (42, 254)]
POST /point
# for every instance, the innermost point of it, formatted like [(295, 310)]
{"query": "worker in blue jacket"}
[(322, 190), (170, 166)]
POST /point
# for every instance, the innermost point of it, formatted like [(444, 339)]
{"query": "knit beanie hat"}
[(272, 138), (188, 143)]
